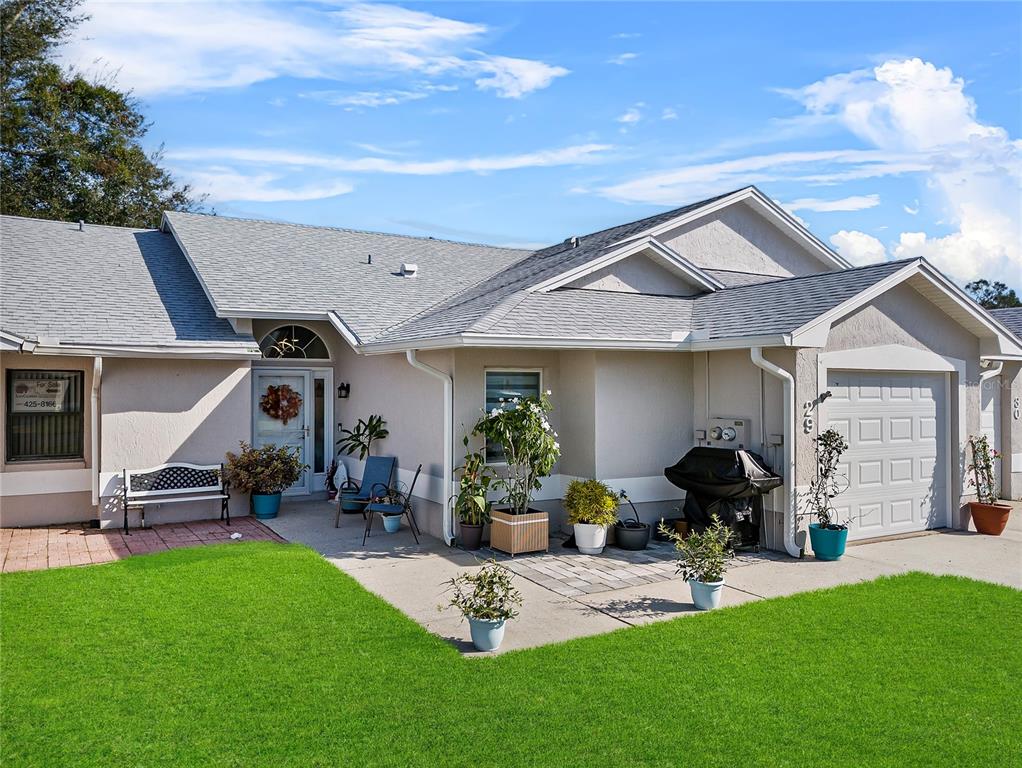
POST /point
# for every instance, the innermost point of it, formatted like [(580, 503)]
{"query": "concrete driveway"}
[(412, 577)]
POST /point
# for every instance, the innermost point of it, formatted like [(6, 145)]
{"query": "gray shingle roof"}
[(769, 308), (1010, 319), (280, 267), (103, 285)]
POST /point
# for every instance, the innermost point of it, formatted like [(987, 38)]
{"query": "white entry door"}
[(296, 433), (896, 463)]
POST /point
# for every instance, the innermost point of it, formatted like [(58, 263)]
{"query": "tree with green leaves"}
[(993, 295), (71, 147)]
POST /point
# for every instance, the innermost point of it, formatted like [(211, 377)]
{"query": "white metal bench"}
[(172, 483)]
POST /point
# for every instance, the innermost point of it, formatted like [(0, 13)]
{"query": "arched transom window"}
[(290, 342)]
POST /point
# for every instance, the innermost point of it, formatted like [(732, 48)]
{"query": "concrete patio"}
[(412, 577)]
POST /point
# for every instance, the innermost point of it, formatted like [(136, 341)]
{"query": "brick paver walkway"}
[(570, 573), (30, 549)]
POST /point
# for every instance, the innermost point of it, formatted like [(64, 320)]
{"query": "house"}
[(164, 341)]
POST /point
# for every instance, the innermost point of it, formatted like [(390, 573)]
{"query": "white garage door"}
[(896, 463)]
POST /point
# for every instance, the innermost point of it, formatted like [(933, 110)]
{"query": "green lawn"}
[(263, 654)]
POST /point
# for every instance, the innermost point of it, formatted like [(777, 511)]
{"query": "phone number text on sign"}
[(36, 395)]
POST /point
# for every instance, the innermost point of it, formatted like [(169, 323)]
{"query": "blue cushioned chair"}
[(379, 471), (397, 503)]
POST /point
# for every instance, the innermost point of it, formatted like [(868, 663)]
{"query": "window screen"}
[(507, 384), (44, 415)]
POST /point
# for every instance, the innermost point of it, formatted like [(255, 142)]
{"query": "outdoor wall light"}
[(343, 390)]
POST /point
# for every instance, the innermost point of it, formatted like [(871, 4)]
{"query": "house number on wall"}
[(1015, 408)]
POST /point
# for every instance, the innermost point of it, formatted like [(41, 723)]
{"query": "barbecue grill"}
[(727, 483)]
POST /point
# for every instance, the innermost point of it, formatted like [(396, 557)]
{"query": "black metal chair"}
[(395, 503)]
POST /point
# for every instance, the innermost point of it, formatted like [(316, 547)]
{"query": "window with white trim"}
[(501, 386), (45, 415)]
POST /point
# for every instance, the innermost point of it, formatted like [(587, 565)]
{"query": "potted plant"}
[(265, 472), (471, 504), (989, 516), (703, 559), (632, 535), (828, 535), (521, 427), (360, 440), (487, 599), (591, 508)]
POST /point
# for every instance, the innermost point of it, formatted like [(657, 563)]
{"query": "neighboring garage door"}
[(896, 463)]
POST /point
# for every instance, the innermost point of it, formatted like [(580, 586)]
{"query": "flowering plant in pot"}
[(265, 472), (487, 599), (828, 535), (471, 504), (591, 508), (521, 427), (989, 516), (703, 558)]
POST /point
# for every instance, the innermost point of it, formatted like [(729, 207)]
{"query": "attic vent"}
[(572, 241), (409, 270)]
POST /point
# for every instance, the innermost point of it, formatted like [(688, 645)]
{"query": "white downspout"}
[(790, 517), (448, 471), (97, 378), (991, 372)]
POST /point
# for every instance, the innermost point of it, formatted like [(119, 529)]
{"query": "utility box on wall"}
[(728, 432)]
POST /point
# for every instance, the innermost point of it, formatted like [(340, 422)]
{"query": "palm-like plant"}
[(362, 437)]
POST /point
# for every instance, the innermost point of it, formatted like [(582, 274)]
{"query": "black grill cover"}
[(722, 473), (727, 483)]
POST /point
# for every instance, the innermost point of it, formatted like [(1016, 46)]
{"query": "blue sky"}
[(892, 130)]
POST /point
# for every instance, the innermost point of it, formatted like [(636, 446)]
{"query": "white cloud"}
[(627, 35), (383, 98), (668, 113), (632, 115), (276, 159), (196, 46), (225, 184), (911, 210), (622, 58), (916, 120), (858, 247), (852, 203), (974, 173)]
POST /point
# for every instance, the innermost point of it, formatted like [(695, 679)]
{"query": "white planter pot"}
[(590, 539), (487, 634), (706, 595)]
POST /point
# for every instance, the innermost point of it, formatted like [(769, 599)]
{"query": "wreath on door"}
[(281, 402)]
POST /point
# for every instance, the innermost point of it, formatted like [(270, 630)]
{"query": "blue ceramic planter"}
[(391, 523), (265, 506), (487, 635), (827, 544)]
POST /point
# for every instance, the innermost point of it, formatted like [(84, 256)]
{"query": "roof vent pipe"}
[(369, 259), (574, 241), (81, 225)]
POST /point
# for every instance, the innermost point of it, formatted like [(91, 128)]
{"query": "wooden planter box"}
[(518, 534)]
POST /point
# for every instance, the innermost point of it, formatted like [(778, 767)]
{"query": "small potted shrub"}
[(521, 428), (487, 599), (264, 472), (703, 559), (591, 508), (360, 440), (633, 534), (828, 535), (471, 504), (989, 516)]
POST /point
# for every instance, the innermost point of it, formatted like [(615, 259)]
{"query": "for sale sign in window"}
[(34, 395)]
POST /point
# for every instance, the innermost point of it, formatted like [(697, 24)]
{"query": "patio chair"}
[(397, 503), (375, 480)]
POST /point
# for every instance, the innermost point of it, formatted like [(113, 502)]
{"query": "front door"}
[(271, 427)]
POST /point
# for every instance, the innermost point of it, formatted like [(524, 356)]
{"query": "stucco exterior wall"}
[(637, 274), (1011, 430), (739, 239), (161, 411), (576, 404), (42, 492)]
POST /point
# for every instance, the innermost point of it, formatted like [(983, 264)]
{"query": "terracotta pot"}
[(989, 518)]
